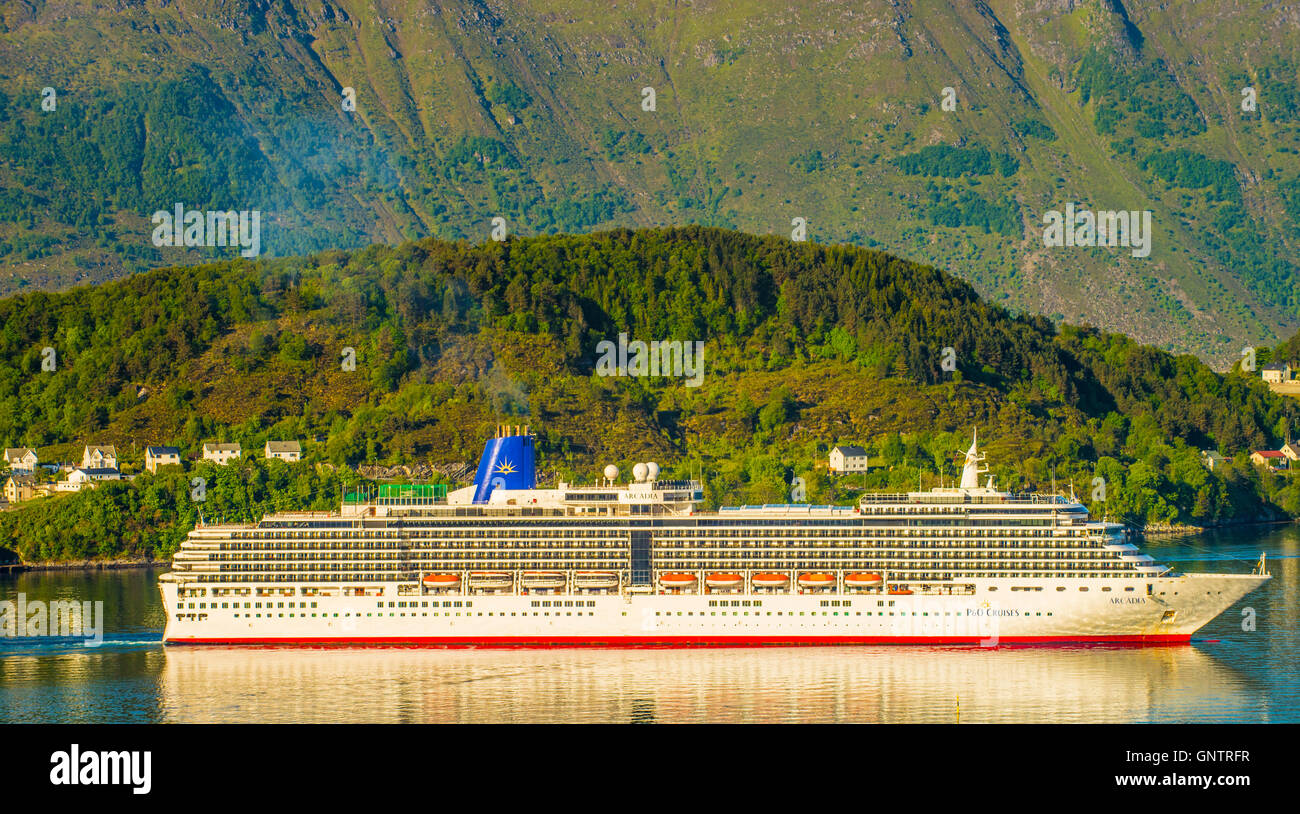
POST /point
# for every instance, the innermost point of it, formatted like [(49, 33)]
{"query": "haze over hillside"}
[(532, 110)]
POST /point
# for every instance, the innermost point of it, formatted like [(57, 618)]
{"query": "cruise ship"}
[(636, 563)]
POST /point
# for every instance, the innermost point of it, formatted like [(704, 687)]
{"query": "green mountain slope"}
[(805, 346), (532, 111)]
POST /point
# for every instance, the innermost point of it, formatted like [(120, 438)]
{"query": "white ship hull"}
[(1086, 610), (502, 563)]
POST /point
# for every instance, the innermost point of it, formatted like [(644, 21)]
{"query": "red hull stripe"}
[(680, 641)]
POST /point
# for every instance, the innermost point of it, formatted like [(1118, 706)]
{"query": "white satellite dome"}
[(639, 472), (652, 470), (611, 472)]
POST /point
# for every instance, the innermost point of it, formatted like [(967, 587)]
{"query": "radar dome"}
[(611, 472), (639, 472), (652, 470)]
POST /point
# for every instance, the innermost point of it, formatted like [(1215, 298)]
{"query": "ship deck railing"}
[(1018, 498)]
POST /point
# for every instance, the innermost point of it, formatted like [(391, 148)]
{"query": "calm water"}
[(1226, 675)]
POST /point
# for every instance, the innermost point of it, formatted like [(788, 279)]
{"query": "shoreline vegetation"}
[(399, 356), (1179, 529), (85, 565)]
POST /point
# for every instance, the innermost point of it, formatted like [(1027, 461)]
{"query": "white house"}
[(155, 457), (76, 481), (222, 453), (284, 450), (99, 457), (1276, 373), (21, 459), (848, 459), (81, 478)]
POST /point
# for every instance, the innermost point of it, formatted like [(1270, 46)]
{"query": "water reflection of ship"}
[(667, 686)]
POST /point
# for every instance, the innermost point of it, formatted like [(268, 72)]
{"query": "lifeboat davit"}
[(863, 580), (770, 580), (490, 579), (724, 580), (595, 579), (542, 579), (441, 582), (816, 580), (677, 580)]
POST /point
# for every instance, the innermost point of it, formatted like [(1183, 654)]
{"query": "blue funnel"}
[(507, 463)]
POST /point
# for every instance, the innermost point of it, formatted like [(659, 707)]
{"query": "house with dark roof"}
[(848, 459), (1276, 373), (20, 487), (155, 457)]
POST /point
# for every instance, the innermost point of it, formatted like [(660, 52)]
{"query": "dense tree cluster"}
[(454, 337)]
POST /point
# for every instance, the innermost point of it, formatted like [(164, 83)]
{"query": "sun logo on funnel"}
[(505, 468)]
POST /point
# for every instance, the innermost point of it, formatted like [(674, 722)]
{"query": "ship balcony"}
[(1137, 559), (1122, 547)]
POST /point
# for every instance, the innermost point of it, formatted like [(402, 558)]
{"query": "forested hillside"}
[(805, 346)]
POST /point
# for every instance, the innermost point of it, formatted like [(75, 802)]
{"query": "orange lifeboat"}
[(899, 592), (677, 580), (724, 580), (441, 582), (768, 580), (863, 580), (816, 580)]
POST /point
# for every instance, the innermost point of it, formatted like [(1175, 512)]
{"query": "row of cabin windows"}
[(396, 539)]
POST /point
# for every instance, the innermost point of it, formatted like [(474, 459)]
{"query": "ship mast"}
[(971, 471)]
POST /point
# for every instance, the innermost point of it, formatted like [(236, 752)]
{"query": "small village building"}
[(1212, 459), (155, 457), (848, 459), (1268, 457), (20, 487), (99, 457), (1276, 373), (21, 459), (222, 453), (283, 450)]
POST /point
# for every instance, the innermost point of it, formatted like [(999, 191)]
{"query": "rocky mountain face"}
[(1010, 142)]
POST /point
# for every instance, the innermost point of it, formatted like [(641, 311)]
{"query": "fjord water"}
[(1227, 675)]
